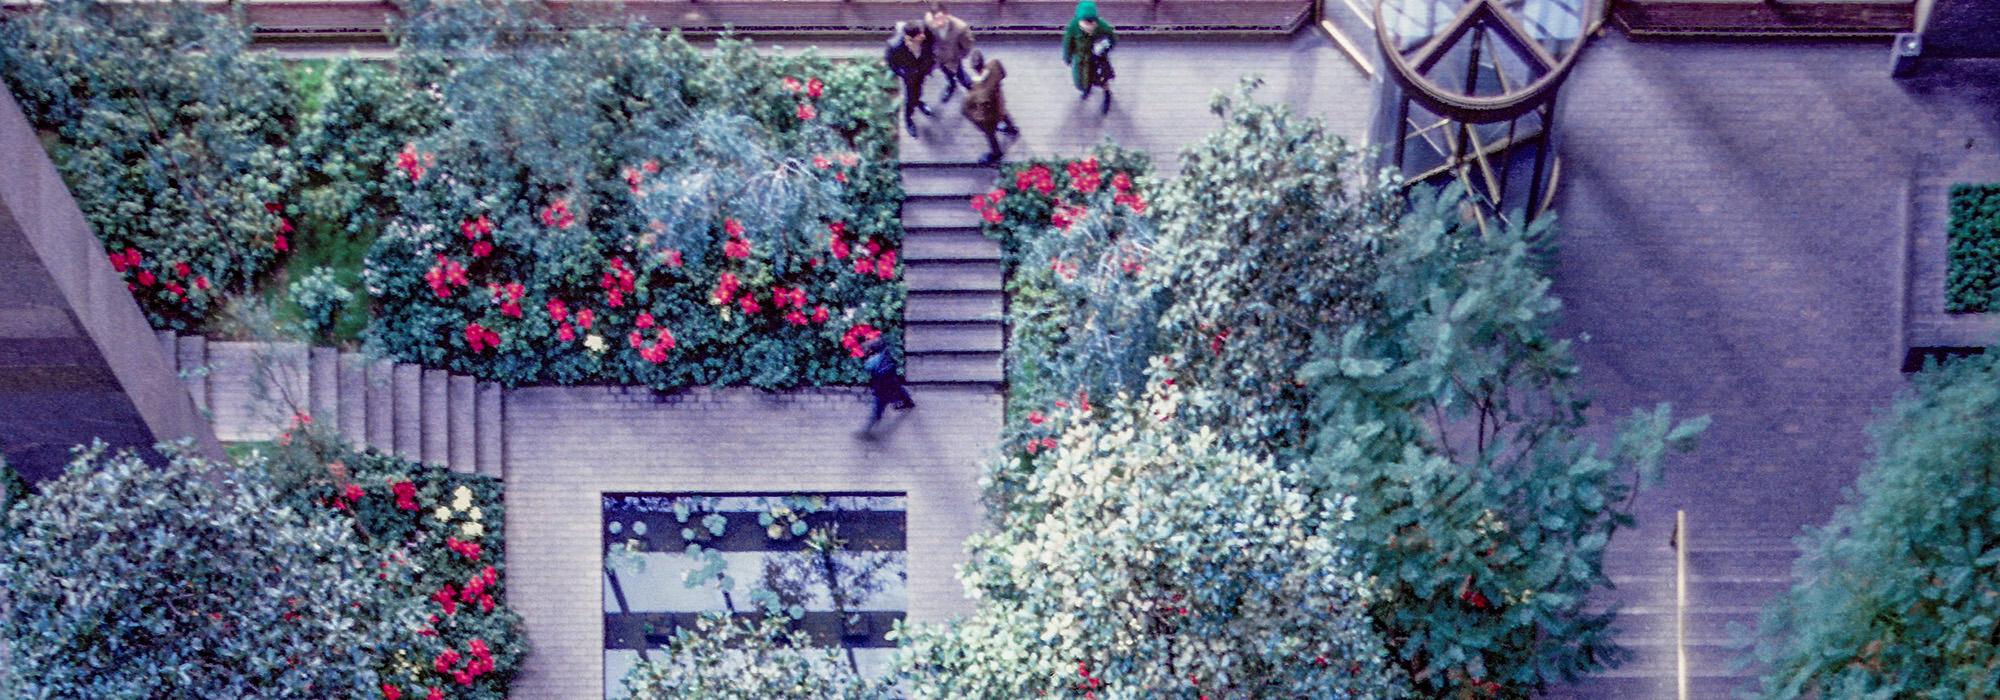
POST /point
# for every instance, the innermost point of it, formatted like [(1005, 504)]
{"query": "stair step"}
[(956, 368), (953, 277), (1660, 686), (1705, 626), (325, 387), (939, 213), (949, 245), (407, 432), (382, 405), (1650, 658), (354, 399), (464, 422), (192, 355), (952, 337), (943, 181), (435, 420), (491, 448), (1704, 592), (1707, 561), (953, 306)]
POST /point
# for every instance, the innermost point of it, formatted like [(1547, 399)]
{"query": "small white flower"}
[(442, 513), (474, 513), (594, 342), (461, 499), (472, 529)]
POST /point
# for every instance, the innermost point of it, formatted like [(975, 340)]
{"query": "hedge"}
[(1974, 275)]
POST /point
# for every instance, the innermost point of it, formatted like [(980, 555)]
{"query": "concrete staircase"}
[(954, 320), (248, 390), (1730, 578)]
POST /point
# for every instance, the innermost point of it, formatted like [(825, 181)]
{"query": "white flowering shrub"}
[(727, 658), (1145, 560)]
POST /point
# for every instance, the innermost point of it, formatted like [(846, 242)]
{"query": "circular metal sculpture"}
[(1473, 92)]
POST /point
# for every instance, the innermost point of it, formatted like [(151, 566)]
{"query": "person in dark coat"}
[(952, 43), (911, 57), (886, 382), (986, 107), (1087, 44)]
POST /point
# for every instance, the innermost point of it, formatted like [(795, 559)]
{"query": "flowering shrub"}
[(1145, 560), (320, 299), (171, 135), (727, 658), (435, 541), (1897, 596), (126, 579), (654, 214), (1035, 198)]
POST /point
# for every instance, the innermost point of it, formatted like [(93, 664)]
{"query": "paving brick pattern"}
[(567, 446), (1734, 219)]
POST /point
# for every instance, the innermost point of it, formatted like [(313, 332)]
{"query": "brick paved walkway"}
[(1733, 220)]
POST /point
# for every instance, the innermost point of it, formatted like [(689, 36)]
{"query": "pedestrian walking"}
[(1087, 44), (911, 56), (886, 382), (951, 39), (986, 107)]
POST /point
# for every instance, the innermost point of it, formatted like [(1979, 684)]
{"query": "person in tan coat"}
[(951, 39), (986, 107)]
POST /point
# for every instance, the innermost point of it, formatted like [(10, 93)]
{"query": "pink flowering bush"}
[(435, 538), (742, 228)]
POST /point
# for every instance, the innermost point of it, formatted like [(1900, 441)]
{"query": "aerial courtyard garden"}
[(1276, 425)]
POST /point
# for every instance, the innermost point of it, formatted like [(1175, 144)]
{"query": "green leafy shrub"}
[(1899, 595), (129, 580), (728, 658), (615, 206), (1450, 413), (436, 541), (1973, 277), (320, 299), (172, 136), (1144, 559)]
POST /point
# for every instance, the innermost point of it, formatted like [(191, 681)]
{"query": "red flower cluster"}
[(447, 273), (806, 112), (480, 338), (737, 248), (988, 206), (406, 495), (557, 214), (635, 176), (1047, 443), (508, 296), (838, 241), (671, 257), (725, 288), (814, 88), (656, 350), (469, 550), (1475, 598), (1037, 178), (278, 240), (480, 663), (476, 230), (1063, 215), (1083, 175), (1215, 342), (857, 337), (1121, 182), (413, 163), (1131, 201), (616, 283), (1089, 684)]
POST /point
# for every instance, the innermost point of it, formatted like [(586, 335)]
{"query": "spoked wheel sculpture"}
[(1473, 93)]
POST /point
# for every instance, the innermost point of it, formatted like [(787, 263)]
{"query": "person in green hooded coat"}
[(1087, 44)]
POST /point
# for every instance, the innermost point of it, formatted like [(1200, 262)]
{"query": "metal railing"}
[(1680, 603)]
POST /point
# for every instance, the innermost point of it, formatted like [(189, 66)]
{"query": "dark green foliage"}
[(171, 135), (1974, 275), (129, 580), (611, 164), (1450, 413), (1899, 596)]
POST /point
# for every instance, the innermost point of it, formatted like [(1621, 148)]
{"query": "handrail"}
[(1680, 603)]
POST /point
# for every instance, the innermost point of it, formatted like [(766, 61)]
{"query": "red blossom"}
[(1121, 182), (146, 278), (645, 320), (736, 248), (566, 333), (814, 88), (435, 694), (749, 304), (390, 692), (479, 338), (182, 269), (281, 244), (406, 494), (1083, 175), (558, 310), (806, 112), (584, 317), (672, 258), (1038, 178), (857, 338), (792, 84), (819, 315), (557, 214), (885, 266), (821, 162), (795, 318), (474, 229)]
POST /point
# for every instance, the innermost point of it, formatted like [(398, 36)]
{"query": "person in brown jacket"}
[(951, 39), (986, 107)]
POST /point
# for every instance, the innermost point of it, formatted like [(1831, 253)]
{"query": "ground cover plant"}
[(1973, 276), (1897, 595)]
